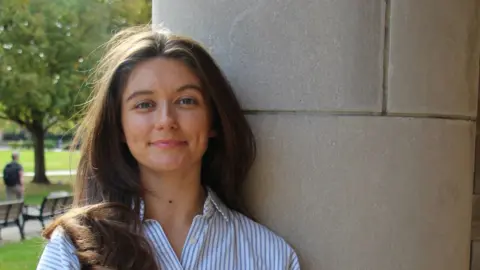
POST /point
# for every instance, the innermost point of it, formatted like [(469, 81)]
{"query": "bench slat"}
[(10, 211), (51, 206)]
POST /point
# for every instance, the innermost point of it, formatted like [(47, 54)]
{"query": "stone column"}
[(364, 113)]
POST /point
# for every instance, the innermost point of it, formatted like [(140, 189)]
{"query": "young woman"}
[(165, 150)]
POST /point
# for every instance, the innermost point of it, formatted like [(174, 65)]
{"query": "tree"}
[(46, 50)]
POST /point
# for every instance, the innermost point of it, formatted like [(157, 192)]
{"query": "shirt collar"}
[(212, 204)]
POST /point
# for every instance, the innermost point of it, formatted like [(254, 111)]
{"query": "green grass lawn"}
[(54, 161), (21, 255), (25, 255), (34, 193)]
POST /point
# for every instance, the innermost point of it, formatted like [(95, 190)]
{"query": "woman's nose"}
[(166, 116)]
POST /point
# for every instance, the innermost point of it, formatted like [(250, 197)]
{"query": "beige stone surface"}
[(366, 193), (475, 255), (477, 163), (475, 234), (290, 55), (434, 57), (353, 192)]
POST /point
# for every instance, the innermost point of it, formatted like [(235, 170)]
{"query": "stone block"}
[(366, 193), (434, 57), (290, 55)]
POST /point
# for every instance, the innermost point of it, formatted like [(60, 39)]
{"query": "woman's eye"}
[(144, 105), (187, 101)]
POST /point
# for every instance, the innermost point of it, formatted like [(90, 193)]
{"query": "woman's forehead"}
[(160, 73)]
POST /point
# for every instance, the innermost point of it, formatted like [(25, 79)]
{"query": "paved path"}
[(52, 173), (32, 227), (12, 234)]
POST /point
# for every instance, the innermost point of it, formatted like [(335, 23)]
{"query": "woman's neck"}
[(174, 198)]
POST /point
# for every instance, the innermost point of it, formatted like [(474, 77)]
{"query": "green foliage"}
[(41, 52), (9, 126), (20, 145), (49, 144), (47, 48)]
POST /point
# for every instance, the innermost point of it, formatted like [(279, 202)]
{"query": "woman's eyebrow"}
[(139, 93), (189, 86), (150, 92)]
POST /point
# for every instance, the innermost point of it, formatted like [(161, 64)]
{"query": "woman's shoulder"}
[(59, 253), (263, 240)]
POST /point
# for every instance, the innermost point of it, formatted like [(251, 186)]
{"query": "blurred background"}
[(47, 50)]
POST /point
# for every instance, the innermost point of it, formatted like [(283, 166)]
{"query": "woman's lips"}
[(165, 144)]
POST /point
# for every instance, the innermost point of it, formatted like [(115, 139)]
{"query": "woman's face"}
[(165, 117)]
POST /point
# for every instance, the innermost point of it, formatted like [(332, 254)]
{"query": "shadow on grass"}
[(34, 193)]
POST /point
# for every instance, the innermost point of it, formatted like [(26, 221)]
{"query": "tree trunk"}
[(38, 136)]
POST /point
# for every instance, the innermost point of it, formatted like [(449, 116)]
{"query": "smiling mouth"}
[(168, 143)]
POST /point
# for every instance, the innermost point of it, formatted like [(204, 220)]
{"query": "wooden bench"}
[(52, 205), (10, 213)]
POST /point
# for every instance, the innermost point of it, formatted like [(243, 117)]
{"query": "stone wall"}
[(365, 117)]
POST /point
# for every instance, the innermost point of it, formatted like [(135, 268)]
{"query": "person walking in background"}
[(13, 179)]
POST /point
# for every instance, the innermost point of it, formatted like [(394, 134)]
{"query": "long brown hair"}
[(104, 224)]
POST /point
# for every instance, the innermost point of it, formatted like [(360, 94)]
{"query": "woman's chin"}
[(167, 165), (170, 163)]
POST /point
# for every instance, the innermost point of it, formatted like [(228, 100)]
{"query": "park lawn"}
[(54, 161), (34, 193), (25, 254), (21, 255)]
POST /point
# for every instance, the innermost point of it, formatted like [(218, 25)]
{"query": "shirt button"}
[(193, 241)]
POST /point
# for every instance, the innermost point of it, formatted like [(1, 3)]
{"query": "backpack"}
[(10, 174)]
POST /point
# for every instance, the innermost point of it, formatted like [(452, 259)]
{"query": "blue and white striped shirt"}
[(218, 239)]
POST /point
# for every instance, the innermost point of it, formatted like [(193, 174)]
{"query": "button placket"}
[(163, 249), (194, 242)]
